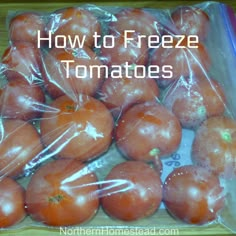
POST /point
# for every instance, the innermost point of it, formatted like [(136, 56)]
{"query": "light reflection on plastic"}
[(92, 131), (123, 184)]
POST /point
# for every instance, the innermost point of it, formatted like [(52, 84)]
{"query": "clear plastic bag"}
[(110, 115)]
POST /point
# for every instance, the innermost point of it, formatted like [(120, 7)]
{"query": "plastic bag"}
[(113, 125)]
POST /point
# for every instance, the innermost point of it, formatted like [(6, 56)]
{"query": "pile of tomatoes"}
[(55, 129)]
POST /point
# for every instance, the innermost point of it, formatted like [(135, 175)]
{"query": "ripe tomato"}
[(214, 146), (119, 94), (74, 21), (79, 129), (191, 20), (119, 54), (20, 143), (12, 198), (68, 193), (193, 100), (58, 83), (21, 100), (24, 58), (131, 191), (136, 19), (25, 27), (193, 195), (148, 130), (185, 61)]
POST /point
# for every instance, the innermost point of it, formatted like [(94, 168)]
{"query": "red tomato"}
[(131, 191), (193, 100), (58, 83), (24, 58), (12, 198), (185, 62), (25, 27), (68, 193), (20, 143), (119, 54), (214, 146), (148, 130), (79, 129), (136, 19), (119, 94), (193, 195), (21, 100), (74, 22), (191, 20)]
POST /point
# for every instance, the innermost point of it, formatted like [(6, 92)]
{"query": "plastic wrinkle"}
[(144, 104)]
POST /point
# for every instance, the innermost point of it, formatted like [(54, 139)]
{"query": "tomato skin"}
[(132, 190), (68, 193), (185, 62), (214, 146), (135, 19), (20, 143), (190, 20), (193, 195), (119, 94), (24, 58), (21, 100), (56, 81), (119, 54), (25, 26), (74, 21), (12, 208), (79, 129), (150, 125), (193, 100)]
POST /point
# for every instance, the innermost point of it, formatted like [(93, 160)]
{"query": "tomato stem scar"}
[(201, 110), (55, 199), (226, 136), (154, 152), (70, 108)]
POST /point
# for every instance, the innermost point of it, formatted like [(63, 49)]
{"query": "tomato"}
[(135, 19), (24, 58), (79, 129), (193, 195), (148, 130), (20, 143), (192, 100), (74, 22), (60, 78), (131, 191), (25, 27), (12, 208), (119, 94), (214, 146), (191, 20), (120, 53), (21, 100), (185, 61), (68, 193)]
